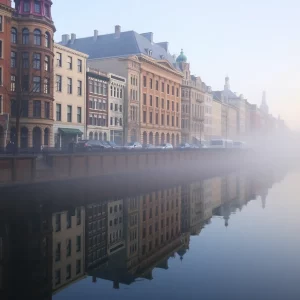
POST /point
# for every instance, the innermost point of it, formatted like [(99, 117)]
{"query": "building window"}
[(144, 116), (150, 117), (79, 88), (26, 7), (47, 40), (156, 102), (78, 114), (68, 272), (1, 23), (162, 103), (58, 59), (173, 90), (145, 81), (70, 63), (58, 83), (58, 112), (121, 122), (78, 243), (36, 84), (144, 99), (57, 222), (13, 83), (69, 85), (37, 108), (151, 102), (173, 121), (168, 120), (168, 104), (162, 119), (25, 59), (37, 61), (177, 92), (173, 107), (69, 247), (168, 89), (47, 63), (156, 119), (58, 252), (78, 266), (47, 11), (151, 83), (177, 107), (163, 87), (156, 85), (46, 86), (37, 6), (69, 113), (37, 37), (13, 59), (121, 108), (47, 110), (79, 65), (25, 36), (1, 104), (14, 36)]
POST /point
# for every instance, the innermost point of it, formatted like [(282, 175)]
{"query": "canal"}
[(228, 236)]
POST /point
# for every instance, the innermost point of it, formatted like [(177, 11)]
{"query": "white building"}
[(68, 247), (116, 96), (69, 95)]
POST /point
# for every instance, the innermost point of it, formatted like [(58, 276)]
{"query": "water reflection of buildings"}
[(117, 239), (68, 247)]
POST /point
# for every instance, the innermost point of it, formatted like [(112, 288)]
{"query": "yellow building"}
[(216, 118)]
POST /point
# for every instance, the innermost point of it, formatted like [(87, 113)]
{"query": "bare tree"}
[(30, 77)]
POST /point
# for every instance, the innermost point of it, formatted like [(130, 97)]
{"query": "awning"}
[(70, 131)]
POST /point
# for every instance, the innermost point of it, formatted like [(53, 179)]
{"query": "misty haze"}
[(149, 150)]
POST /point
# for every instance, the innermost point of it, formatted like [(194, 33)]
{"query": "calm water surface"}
[(234, 236)]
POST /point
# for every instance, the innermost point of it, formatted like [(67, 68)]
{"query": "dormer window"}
[(26, 7), (37, 6)]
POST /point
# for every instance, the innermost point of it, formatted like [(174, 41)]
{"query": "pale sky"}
[(257, 42)]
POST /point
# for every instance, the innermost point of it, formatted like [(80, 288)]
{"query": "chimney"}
[(164, 45), (73, 38), (117, 31), (65, 39), (148, 36)]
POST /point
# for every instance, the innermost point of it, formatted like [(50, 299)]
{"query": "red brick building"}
[(5, 52)]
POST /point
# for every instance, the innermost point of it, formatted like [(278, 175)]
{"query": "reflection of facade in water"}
[(115, 216), (152, 228), (96, 234), (68, 246), (26, 253)]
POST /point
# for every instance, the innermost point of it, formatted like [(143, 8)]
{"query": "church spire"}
[(264, 106)]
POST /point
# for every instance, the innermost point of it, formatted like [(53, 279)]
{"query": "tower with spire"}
[(264, 106)]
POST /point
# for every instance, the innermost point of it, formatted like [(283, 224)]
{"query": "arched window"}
[(47, 40), (37, 37), (14, 34), (25, 36), (90, 135)]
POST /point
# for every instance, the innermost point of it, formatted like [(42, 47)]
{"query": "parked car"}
[(149, 147), (221, 143), (133, 145), (166, 146), (185, 146), (105, 145), (114, 145), (89, 146)]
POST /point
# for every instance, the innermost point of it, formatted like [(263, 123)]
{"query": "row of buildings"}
[(121, 87), (119, 239)]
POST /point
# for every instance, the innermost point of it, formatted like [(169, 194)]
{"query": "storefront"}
[(65, 136)]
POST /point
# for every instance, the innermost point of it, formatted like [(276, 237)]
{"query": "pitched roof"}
[(128, 43)]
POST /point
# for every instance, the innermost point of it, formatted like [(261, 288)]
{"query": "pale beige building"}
[(68, 247), (216, 119), (69, 95)]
